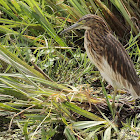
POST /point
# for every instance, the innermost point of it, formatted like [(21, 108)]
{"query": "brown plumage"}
[(108, 54)]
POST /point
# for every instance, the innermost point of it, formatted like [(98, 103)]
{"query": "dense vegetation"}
[(48, 87)]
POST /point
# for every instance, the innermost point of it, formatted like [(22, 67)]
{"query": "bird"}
[(107, 53)]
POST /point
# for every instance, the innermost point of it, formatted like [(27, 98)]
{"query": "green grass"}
[(47, 83)]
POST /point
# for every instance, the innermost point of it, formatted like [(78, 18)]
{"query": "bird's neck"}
[(100, 29), (98, 33)]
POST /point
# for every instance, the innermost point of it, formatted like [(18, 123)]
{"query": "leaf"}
[(80, 111), (13, 60), (69, 134), (107, 134), (59, 2), (86, 124), (37, 13), (5, 107)]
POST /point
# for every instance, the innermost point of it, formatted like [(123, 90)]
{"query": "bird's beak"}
[(72, 27)]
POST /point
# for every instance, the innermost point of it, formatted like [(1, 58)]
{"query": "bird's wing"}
[(118, 59)]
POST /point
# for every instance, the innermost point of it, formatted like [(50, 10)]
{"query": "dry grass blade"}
[(121, 7), (116, 25)]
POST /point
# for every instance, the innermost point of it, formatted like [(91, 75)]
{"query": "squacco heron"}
[(108, 54)]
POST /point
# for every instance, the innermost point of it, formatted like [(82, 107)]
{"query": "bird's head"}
[(88, 22)]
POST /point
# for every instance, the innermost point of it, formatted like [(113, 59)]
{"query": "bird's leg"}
[(113, 101)]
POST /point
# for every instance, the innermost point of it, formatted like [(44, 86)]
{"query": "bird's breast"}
[(92, 51), (100, 62)]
